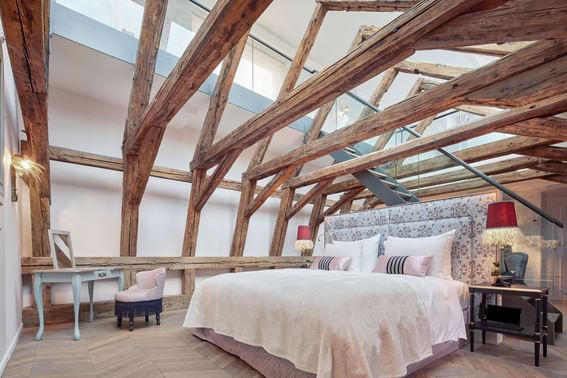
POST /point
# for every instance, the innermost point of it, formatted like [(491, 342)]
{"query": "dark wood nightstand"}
[(537, 333)]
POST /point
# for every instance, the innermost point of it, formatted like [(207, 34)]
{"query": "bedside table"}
[(539, 331)]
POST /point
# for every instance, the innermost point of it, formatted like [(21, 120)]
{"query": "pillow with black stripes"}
[(331, 263), (412, 265)]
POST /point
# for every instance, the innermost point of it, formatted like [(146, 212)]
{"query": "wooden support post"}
[(276, 182), (216, 178), (193, 214), (242, 220), (26, 28), (280, 229), (188, 282), (314, 192), (316, 213), (345, 198)]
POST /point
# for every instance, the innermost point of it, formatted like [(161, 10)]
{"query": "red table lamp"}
[(303, 243), (501, 230)]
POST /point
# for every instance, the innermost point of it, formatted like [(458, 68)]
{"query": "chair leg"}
[(130, 322), (119, 321), (147, 318), (157, 319)]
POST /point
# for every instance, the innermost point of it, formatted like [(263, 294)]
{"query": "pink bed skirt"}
[(275, 367)]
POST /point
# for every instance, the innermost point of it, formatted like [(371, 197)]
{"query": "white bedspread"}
[(334, 324)]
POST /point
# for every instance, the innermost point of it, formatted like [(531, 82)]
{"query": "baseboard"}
[(10, 349)]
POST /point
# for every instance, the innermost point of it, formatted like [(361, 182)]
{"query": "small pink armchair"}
[(144, 298)]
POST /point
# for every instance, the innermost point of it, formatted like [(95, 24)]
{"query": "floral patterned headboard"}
[(471, 259)]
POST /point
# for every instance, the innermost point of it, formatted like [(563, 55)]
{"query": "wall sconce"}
[(27, 169)]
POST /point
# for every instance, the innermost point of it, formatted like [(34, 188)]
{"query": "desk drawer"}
[(104, 273)]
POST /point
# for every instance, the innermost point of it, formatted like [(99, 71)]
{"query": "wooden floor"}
[(171, 351)]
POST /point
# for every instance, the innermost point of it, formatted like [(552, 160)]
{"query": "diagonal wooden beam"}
[(551, 128), (546, 107), (312, 193), (445, 96), (25, 26), (553, 167), (470, 155), (383, 140), (225, 25), (526, 20), (243, 219), (493, 49), (368, 5), (272, 186), (316, 212), (438, 71), (217, 104), (276, 247), (363, 63), (385, 84), (144, 69), (546, 152), (348, 196), (217, 176)]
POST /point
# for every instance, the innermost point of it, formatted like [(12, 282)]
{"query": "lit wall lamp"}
[(25, 168)]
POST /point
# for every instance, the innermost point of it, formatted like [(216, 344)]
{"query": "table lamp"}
[(304, 244), (501, 231)]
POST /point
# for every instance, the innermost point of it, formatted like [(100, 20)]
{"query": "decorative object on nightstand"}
[(144, 298), (61, 249), (502, 231), (304, 243), (506, 320)]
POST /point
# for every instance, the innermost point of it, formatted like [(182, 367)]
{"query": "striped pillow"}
[(412, 265), (331, 263)]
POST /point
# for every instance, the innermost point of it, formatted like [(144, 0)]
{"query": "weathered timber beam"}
[(25, 26), (246, 198), (557, 178), (383, 87), (525, 20), (201, 184), (363, 63), (438, 71), (312, 193), (443, 97), (225, 25), (280, 229), (470, 155), (348, 196), (272, 186), (88, 159), (546, 152), (316, 213), (503, 166), (551, 128), (368, 5), (546, 107), (144, 69), (553, 167), (493, 49)]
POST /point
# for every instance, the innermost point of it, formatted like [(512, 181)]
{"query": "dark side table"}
[(537, 333)]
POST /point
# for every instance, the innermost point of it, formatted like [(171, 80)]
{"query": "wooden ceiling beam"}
[(470, 155), (546, 152), (312, 193), (525, 20), (437, 71), (387, 47), (546, 107), (429, 103), (557, 179), (272, 186), (368, 5), (493, 49), (553, 167), (346, 197), (25, 26), (550, 128), (201, 184)]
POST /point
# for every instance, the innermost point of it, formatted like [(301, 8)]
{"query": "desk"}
[(76, 277)]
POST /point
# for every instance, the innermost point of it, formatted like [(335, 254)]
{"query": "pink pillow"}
[(412, 265), (331, 263)]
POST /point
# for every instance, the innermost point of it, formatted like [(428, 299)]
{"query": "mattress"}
[(397, 319)]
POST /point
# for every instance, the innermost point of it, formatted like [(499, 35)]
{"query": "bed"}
[(306, 323)]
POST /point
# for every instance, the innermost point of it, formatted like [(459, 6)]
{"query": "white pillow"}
[(353, 250), (370, 249), (438, 246)]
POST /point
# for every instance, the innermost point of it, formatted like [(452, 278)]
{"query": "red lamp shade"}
[(303, 232), (501, 214)]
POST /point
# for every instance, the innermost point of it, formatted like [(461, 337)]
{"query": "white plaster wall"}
[(10, 233), (87, 201)]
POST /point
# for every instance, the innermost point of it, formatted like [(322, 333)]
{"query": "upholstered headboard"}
[(471, 259)]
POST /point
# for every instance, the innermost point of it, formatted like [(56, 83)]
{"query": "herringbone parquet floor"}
[(170, 351)]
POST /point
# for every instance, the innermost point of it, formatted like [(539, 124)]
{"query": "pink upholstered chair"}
[(144, 298)]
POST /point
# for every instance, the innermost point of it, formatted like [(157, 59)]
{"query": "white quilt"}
[(334, 324)]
